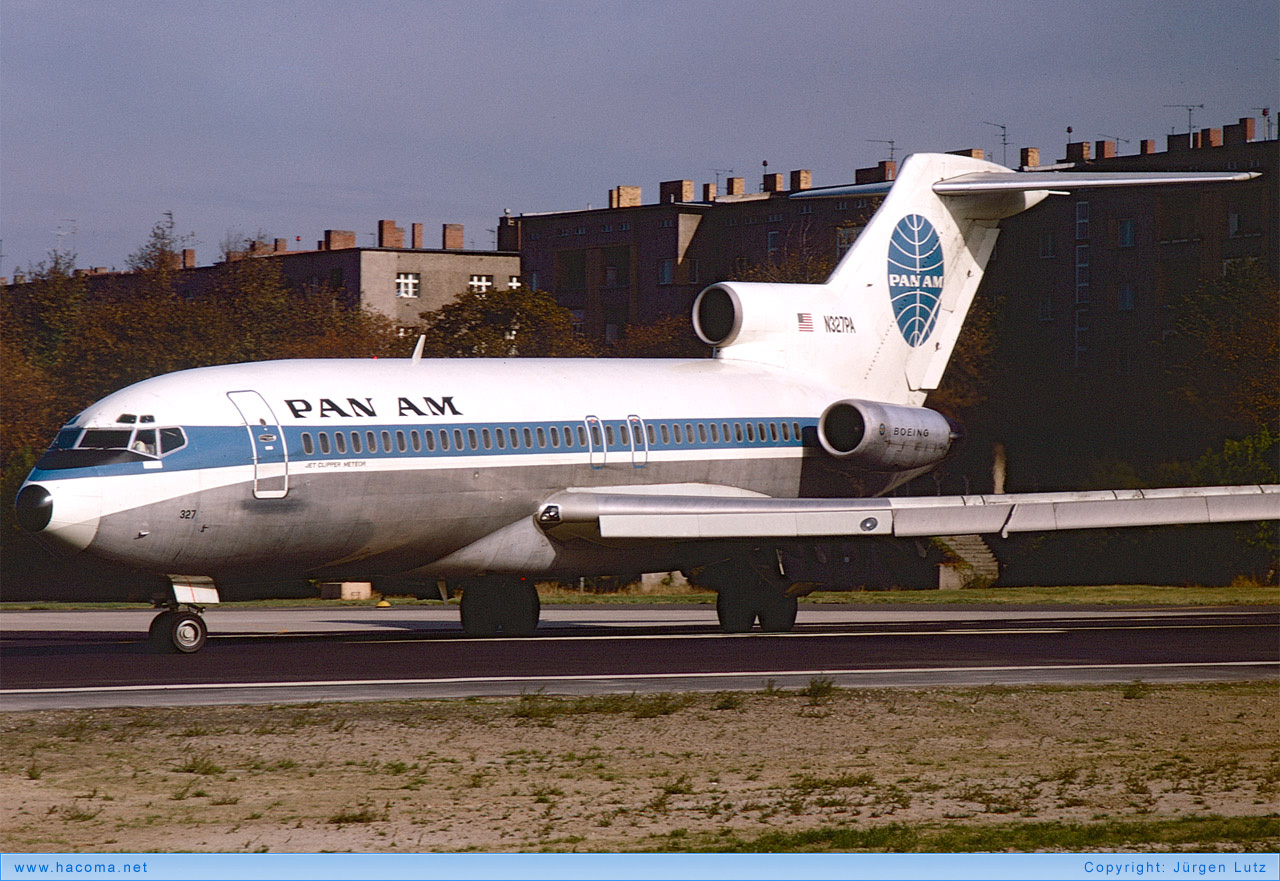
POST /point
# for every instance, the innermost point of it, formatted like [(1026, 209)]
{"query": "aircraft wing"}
[(619, 516)]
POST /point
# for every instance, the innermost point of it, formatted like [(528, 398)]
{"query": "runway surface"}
[(101, 658)]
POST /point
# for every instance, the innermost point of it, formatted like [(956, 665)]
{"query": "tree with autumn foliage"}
[(502, 324)]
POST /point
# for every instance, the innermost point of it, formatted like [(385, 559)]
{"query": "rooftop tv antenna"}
[(890, 143), (1004, 141), (718, 172), (1189, 108)]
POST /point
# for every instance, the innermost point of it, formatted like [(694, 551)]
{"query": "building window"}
[(1082, 220), (480, 284), (513, 282), (407, 284), (666, 271), (845, 237), (693, 271), (668, 223), (1082, 273), (1082, 337), (625, 226), (534, 281), (1124, 302), (1048, 245), (1126, 236), (771, 239)]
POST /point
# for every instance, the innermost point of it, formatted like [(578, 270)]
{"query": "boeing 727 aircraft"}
[(482, 473)]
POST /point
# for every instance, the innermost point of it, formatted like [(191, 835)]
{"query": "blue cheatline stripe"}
[(225, 446)]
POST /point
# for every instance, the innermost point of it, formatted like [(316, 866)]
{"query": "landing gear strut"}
[(507, 604), (179, 629)]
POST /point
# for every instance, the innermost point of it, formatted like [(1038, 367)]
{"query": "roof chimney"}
[(708, 192), (1240, 133), (451, 237), (415, 231), (801, 179), (390, 235), (735, 186), (975, 153), (675, 191), (1210, 137), (624, 197), (1030, 157), (772, 183), (1146, 147), (336, 239), (1078, 151), (1105, 149), (882, 173)]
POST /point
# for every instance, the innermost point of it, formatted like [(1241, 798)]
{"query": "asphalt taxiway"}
[(98, 658)]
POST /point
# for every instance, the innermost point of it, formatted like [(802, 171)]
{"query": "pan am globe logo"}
[(915, 277)]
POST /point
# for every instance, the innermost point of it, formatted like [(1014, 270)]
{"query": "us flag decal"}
[(805, 321)]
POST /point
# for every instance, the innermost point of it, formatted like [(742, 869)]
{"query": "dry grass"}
[(814, 768)]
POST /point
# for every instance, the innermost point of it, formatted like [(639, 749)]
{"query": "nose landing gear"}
[(178, 629)]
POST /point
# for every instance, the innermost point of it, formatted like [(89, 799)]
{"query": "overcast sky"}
[(289, 118)]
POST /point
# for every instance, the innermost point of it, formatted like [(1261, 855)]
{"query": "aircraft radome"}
[(489, 474)]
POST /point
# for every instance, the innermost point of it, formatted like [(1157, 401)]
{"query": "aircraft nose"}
[(64, 516)]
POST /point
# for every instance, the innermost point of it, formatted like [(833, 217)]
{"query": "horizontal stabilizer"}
[(624, 517), (1025, 181)]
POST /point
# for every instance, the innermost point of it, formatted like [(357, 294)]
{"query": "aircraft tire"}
[(521, 608), (777, 611), (735, 611), (480, 609), (160, 631), (187, 632)]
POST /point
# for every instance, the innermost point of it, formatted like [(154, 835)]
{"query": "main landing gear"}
[(179, 629), (753, 588), (492, 604)]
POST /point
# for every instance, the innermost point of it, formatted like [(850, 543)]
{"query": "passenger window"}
[(486, 438), (356, 445), (501, 437), (715, 434), (308, 446), (773, 432), (555, 436), (582, 436), (528, 439), (372, 440), (675, 430), (416, 440), (173, 439), (702, 433), (324, 442), (751, 435), (595, 435), (457, 438), (430, 437), (471, 438), (444, 439), (688, 432), (515, 439), (737, 431), (542, 438), (666, 433), (386, 442), (795, 429), (568, 435), (400, 442), (653, 435), (341, 441), (608, 435)]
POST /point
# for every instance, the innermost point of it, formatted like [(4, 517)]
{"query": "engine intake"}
[(886, 437)]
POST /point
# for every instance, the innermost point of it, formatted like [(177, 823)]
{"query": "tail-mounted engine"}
[(886, 437)]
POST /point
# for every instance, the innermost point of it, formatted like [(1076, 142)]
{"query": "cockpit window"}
[(171, 439), (148, 441), (106, 439), (65, 439)]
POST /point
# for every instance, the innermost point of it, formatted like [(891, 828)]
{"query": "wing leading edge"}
[(616, 516)]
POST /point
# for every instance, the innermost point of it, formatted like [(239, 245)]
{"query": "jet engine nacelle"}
[(886, 437)]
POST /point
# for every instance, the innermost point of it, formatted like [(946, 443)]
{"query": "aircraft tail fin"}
[(884, 324)]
